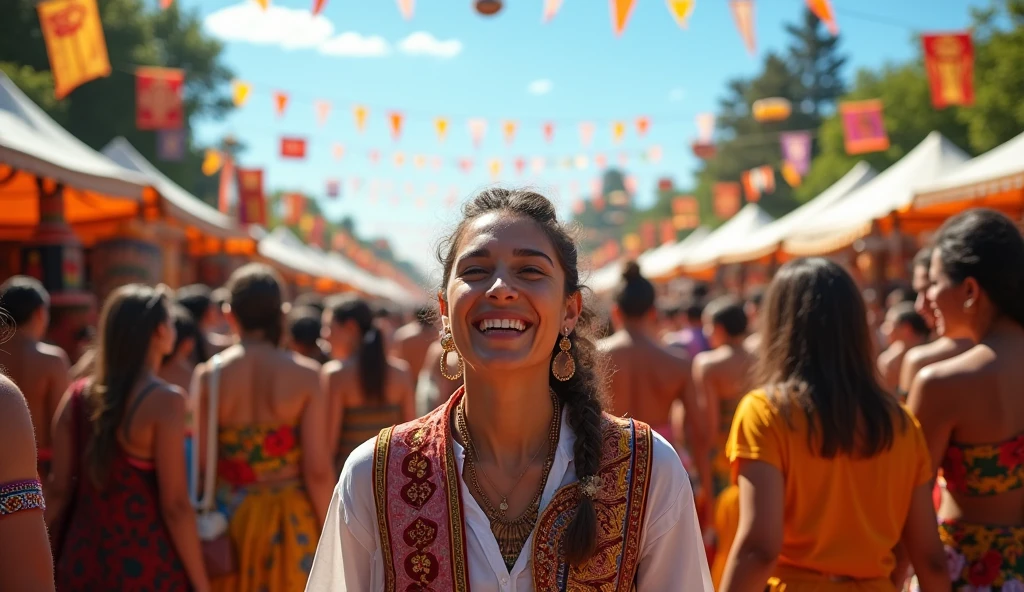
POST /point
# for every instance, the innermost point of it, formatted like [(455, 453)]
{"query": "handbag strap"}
[(205, 504)]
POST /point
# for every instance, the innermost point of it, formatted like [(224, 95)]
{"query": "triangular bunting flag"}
[(520, 164), (406, 7), (240, 91), (618, 130), (318, 6), (550, 10), (549, 131), (586, 133), (643, 123), (509, 127), (600, 161), (360, 113), (441, 125), (323, 109), (621, 10), (165, 4), (823, 10), (419, 161), (537, 164), (338, 150), (681, 10), (477, 128), (280, 102), (743, 13), (396, 119), (495, 167), (399, 159), (263, 4)]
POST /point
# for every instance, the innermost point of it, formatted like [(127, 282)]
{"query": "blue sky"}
[(484, 67)]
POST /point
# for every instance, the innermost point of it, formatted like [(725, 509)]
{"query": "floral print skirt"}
[(275, 534), (989, 558)]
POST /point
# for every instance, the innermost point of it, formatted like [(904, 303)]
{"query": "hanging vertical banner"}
[(648, 235), (227, 184), (406, 7), (441, 125), (793, 178), (509, 128), (668, 232), (158, 100), (621, 11), (170, 145), (318, 6), (586, 133), (796, 150), (743, 14), (240, 91), (338, 151), (863, 126), (618, 130), (294, 208), (550, 10), (685, 212), (333, 188), (681, 10), (252, 207), (727, 199), (395, 118), (823, 10), (705, 127), (316, 232), (643, 123), (74, 43), (323, 109), (280, 102), (477, 129), (292, 147), (949, 61), (549, 131), (360, 112), (757, 181)]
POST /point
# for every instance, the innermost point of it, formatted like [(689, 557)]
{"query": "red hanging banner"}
[(293, 147), (158, 100), (949, 60), (727, 199), (252, 204)]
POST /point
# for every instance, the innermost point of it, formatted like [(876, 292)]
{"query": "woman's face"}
[(342, 337), (920, 284), (165, 336), (948, 301), (506, 305)]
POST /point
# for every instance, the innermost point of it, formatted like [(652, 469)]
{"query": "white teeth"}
[(502, 324)]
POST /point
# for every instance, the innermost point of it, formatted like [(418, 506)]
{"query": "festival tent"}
[(606, 278), (994, 179), (768, 239), (37, 154), (283, 249), (665, 260), (345, 271), (707, 254), (199, 218), (892, 191)]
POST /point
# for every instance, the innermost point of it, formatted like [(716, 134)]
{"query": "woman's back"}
[(263, 385), (843, 515)]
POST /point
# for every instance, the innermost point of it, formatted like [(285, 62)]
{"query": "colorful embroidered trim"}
[(21, 495)]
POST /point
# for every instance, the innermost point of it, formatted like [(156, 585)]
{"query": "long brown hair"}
[(816, 355), (130, 317), (583, 394)]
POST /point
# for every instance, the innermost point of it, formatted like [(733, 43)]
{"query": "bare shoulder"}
[(954, 374), (304, 364), (331, 368), (168, 402), (613, 342), (707, 360), (19, 439), (53, 355)]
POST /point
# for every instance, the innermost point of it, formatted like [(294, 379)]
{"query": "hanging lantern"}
[(773, 109), (487, 7)]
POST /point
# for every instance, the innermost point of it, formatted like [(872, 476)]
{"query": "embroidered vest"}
[(423, 537)]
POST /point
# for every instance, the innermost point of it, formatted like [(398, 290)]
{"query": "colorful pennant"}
[(757, 181), (863, 126), (441, 125), (338, 151), (323, 110), (74, 43), (549, 131), (586, 133), (280, 102), (949, 61), (477, 129), (550, 10), (509, 128), (823, 10), (333, 188), (158, 98), (212, 161), (796, 151), (743, 13), (681, 10), (360, 112), (621, 11), (292, 147), (318, 6), (618, 130), (643, 123), (240, 91), (727, 199), (406, 7), (396, 118)]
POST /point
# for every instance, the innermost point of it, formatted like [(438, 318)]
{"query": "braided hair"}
[(582, 395)]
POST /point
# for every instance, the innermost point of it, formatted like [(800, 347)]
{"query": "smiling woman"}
[(502, 486)]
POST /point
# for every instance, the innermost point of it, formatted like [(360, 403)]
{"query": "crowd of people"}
[(806, 435)]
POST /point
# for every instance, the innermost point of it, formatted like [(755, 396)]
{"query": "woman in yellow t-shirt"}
[(833, 473)]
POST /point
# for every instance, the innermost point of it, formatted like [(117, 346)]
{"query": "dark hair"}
[(727, 312), (635, 294), (985, 245), (901, 294), (373, 360), (923, 258), (185, 328), (22, 296), (583, 394), (310, 300), (256, 297), (756, 296), (196, 298), (816, 354), (426, 316), (904, 313), (694, 311), (220, 297), (304, 324), (130, 317)]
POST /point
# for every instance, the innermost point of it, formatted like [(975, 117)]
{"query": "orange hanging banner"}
[(252, 207), (406, 7), (396, 119), (293, 147), (727, 199), (294, 208), (549, 131), (280, 102), (621, 11), (668, 232), (509, 127), (823, 10), (643, 123), (441, 125), (681, 10), (360, 113), (863, 126), (743, 14), (949, 60), (74, 43), (158, 100)]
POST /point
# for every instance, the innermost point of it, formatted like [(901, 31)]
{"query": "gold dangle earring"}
[(563, 367), (448, 345)]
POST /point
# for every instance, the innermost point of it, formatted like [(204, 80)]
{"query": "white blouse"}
[(348, 558)]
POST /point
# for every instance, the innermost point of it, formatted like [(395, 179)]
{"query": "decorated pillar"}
[(55, 257), (133, 256)]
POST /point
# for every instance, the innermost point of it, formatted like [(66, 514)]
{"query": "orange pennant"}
[(477, 128), (323, 109), (509, 128), (399, 159), (618, 130), (621, 11), (396, 119), (264, 4), (165, 4), (74, 43), (280, 102), (586, 133), (823, 10), (441, 124), (318, 6), (549, 131), (339, 151), (743, 13), (643, 123), (419, 161), (360, 114), (550, 10), (681, 10), (406, 7)]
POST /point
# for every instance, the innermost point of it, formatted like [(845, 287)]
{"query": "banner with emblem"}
[(949, 61), (74, 41), (292, 147), (863, 126), (252, 207), (170, 145), (158, 98), (727, 199)]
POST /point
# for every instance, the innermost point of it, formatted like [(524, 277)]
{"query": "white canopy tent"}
[(768, 239), (745, 223), (891, 191), (999, 170), (605, 279), (666, 259), (285, 249)]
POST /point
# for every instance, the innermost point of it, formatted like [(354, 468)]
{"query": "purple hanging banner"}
[(796, 150), (170, 145)]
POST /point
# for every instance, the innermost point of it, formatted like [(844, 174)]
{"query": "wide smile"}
[(502, 328)]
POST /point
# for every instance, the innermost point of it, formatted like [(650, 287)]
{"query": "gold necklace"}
[(511, 535)]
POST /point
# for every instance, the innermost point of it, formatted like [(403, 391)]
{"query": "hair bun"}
[(631, 271)]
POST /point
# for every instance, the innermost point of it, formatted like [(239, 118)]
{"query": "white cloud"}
[(278, 25), (677, 94), (354, 45), (540, 87), (423, 43)]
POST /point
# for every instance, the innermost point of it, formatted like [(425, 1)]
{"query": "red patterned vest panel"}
[(422, 533)]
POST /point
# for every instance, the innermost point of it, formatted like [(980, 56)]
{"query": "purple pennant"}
[(170, 145), (796, 150)]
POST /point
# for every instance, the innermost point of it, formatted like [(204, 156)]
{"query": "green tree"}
[(102, 109), (815, 58)]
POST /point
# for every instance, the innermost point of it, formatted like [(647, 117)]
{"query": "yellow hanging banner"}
[(74, 42), (681, 10)]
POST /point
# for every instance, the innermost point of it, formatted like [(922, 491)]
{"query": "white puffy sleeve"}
[(672, 549), (347, 556)]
